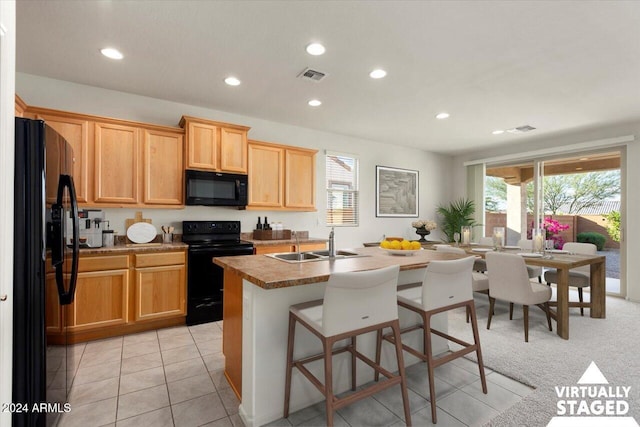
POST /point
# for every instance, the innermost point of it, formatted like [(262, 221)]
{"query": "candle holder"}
[(498, 238), (538, 237), (466, 235)]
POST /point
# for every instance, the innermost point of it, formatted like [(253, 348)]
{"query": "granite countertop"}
[(131, 248), (270, 273)]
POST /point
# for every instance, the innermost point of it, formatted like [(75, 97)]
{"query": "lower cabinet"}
[(272, 249), (120, 294)]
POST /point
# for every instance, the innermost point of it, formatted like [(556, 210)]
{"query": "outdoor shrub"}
[(592, 237), (613, 225)]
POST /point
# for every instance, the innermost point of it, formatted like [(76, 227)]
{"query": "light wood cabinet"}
[(160, 285), (163, 170), (266, 175), (288, 247), (102, 290), (281, 177), (215, 146), (300, 179), (116, 163), (77, 132), (20, 106)]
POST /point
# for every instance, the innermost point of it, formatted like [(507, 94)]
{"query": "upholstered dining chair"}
[(355, 303), (446, 286), (480, 265), (509, 281), (533, 270), (480, 281), (579, 277)]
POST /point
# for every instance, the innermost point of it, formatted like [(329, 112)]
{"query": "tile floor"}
[(174, 377)]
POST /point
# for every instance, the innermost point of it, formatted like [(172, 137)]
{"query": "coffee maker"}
[(91, 223)]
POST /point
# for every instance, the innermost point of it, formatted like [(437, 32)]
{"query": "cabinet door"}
[(116, 163), (273, 249), (162, 167), (202, 146), (312, 246), (100, 300), (160, 292), (300, 180), (265, 176), (233, 150), (76, 132)]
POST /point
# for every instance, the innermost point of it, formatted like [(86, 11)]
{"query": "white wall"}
[(7, 144), (434, 170), (630, 178)]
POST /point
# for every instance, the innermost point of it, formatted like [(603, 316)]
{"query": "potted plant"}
[(457, 214)]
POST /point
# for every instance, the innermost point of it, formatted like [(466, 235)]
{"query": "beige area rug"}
[(547, 361)]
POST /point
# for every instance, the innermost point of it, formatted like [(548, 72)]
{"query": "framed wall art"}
[(396, 192)]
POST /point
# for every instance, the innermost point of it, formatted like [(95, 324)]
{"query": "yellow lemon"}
[(415, 245), (385, 244), (405, 245), (396, 244)]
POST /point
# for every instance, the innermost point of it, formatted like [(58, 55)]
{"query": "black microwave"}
[(215, 189)]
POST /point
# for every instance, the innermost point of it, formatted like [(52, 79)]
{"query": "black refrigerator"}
[(44, 198)]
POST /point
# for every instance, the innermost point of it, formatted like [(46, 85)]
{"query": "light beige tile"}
[(222, 422), (93, 414), (139, 402), (158, 418), (97, 373), (229, 400), (180, 354), (236, 420), (168, 332), (190, 388), (219, 380), (141, 337), (92, 392), (185, 369), (203, 328), (138, 349), (140, 363), (210, 347), (198, 411), (103, 345), (175, 341), (214, 362), (511, 385), (467, 409), (101, 357), (141, 380), (214, 334)]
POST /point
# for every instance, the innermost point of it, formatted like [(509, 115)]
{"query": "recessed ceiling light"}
[(232, 81), (442, 116), (377, 74), (315, 103), (497, 132), (112, 53), (315, 49)]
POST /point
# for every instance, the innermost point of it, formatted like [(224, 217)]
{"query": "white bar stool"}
[(446, 286), (354, 303)]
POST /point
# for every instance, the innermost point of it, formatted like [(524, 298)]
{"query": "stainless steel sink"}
[(339, 253), (294, 257)]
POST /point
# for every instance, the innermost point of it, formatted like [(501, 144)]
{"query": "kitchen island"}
[(258, 291)]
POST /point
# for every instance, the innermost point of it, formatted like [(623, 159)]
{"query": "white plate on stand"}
[(141, 232)]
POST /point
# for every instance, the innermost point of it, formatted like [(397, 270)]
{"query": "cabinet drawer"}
[(100, 263), (159, 259)]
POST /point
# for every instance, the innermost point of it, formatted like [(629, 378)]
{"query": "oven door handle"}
[(222, 252)]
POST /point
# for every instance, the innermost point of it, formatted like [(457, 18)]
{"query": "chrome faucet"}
[(299, 255), (332, 244)]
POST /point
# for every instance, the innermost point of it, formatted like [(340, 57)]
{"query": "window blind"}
[(342, 190)]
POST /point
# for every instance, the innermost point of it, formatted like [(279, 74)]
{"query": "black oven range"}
[(205, 285)]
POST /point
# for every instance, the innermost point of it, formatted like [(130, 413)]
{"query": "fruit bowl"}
[(405, 252)]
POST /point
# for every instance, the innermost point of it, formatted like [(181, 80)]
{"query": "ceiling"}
[(557, 66)]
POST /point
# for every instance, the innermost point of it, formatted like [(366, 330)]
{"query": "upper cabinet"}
[(116, 163), (163, 170), (281, 177), (20, 107), (215, 146)]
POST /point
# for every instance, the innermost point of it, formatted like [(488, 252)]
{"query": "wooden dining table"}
[(563, 262)]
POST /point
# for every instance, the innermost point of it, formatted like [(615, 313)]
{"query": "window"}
[(342, 190)]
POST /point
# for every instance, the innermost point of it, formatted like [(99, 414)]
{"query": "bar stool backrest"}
[(583, 249), (356, 300), (447, 283)]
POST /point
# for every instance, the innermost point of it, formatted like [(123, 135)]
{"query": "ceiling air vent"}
[(521, 129), (313, 75)]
